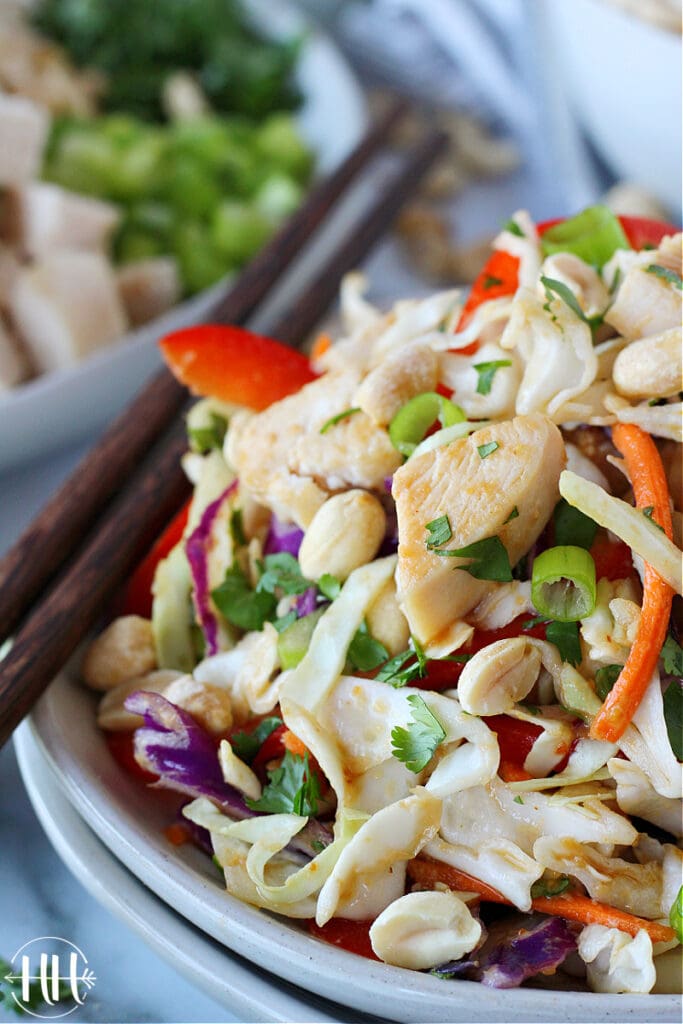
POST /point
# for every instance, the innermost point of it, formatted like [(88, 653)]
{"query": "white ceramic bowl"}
[(130, 821), (62, 407), (621, 75)]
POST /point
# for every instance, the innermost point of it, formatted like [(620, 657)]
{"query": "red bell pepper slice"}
[(353, 936), (235, 365)]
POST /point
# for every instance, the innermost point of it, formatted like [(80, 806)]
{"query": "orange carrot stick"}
[(650, 489), (570, 906), (293, 744)]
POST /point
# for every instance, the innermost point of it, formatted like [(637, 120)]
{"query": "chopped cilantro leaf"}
[(573, 527), (487, 449), (366, 653), (415, 744), (518, 799), (281, 572), (329, 586), (565, 636), (394, 672), (513, 515), (530, 623), (238, 603), (292, 788), (491, 282), (338, 418), (547, 887), (605, 678), (285, 621), (237, 528), (439, 531), (247, 744), (513, 227), (490, 560), (203, 439), (667, 275), (317, 846), (486, 372), (672, 656), (673, 716), (648, 512), (567, 295)]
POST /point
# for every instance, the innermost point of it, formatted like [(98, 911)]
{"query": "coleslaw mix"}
[(413, 654)]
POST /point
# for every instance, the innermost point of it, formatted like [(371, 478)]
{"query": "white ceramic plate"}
[(130, 820), (62, 407), (248, 992)]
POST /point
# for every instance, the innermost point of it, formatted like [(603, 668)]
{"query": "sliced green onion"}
[(593, 235), (413, 420), (563, 584), (333, 420), (666, 275), (448, 434), (293, 641)]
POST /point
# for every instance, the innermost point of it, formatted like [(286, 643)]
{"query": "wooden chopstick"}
[(72, 606), (52, 536)]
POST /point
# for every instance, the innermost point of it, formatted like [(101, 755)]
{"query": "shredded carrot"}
[(320, 346), (511, 772), (571, 906), (177, 834), (651, 491), (293, 744)]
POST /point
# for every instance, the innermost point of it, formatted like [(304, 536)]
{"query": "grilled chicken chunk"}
[(41, 218), (646, 304), (478, 495), (23, 130), (285, 461)]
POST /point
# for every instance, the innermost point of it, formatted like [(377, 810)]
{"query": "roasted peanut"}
[(123, 651), (345, 533)]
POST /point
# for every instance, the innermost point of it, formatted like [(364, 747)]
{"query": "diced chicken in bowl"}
[(453, 692)]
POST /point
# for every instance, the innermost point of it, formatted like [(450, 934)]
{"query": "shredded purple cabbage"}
[(388, 483), (307, 602), (173, 746), (540, 945), (197, 551), (283, 537)]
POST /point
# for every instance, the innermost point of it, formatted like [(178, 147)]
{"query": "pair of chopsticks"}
[(56, 580)]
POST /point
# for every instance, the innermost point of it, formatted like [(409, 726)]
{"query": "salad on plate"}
[(412, 650)]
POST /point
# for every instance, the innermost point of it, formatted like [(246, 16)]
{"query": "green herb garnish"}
[(237, 533), (487, 449), (490, 560), (486, 372), (563, 292), (292, 788), (338, 418), (246, 745), (281, 572), (415, 744), (673, 716), (204, 439), (672, 656), (439, 531), (565, 636), (513, 227), (365, 653), (666, 275), (605, 678), (543, 888), (246, 608), (573, 527), (491, 282), (513, 515), (329, 586)]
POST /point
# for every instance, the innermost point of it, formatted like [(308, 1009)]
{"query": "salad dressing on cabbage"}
[(411, 656)]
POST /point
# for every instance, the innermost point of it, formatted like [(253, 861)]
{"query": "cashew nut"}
[(498, 676), (123, 651)]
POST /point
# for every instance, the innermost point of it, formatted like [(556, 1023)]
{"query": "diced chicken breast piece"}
[(645, 304), (23, 130), (149, 287), (41, 218), (66, 306), (651, 367), (478, 495), (282, 458), (13, 364)]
